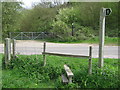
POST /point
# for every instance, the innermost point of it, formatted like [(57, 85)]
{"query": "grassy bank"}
[(108, 41), (28, 72)]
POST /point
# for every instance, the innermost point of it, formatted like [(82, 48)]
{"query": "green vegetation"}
[(70, 22), (59, 20), (108, 40), (1, 56), (28, 72), (95, 40), (10, 16)]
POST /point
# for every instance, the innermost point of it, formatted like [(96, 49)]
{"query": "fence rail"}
[(80, 56), (8, 49), (67, 55)]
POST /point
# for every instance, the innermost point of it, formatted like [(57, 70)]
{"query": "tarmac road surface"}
[(28, 47)]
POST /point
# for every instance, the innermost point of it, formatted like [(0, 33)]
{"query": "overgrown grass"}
[(28, 72), (108, 41)]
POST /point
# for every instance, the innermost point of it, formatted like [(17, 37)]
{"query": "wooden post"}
[(7, 51), (44, 57), (90, 60), (13, 47)]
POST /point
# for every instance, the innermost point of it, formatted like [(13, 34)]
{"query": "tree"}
[(37, 19), (10, 12)]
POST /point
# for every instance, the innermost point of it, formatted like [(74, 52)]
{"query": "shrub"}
[(35, 70), (84, 33), (30, 67), (60, 30)]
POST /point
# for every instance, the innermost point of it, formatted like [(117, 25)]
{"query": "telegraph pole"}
[(103, 13)]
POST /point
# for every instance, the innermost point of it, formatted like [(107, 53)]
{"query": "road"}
[(34, 47)]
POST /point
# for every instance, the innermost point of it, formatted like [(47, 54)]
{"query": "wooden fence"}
[(8, 54), (67, 55)]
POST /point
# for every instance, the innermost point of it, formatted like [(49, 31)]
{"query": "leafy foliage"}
[(10, 15), (32, 68), (61, 31), (59, 20), (37, 19)]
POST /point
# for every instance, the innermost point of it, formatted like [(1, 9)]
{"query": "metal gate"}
[(27, 35)]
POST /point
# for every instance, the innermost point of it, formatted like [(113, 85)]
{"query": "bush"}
[(84, 33), (98, 79), (60, 31), (35, 70), (32, 67), (112, 32)]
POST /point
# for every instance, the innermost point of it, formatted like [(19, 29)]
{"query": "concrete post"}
[(7, 51), (101, 37)]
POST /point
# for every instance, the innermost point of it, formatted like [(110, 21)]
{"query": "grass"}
[(1, 56), (108, 41), (14, 79), (28, 72)]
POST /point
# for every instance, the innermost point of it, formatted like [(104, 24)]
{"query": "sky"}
[(28, 3)]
